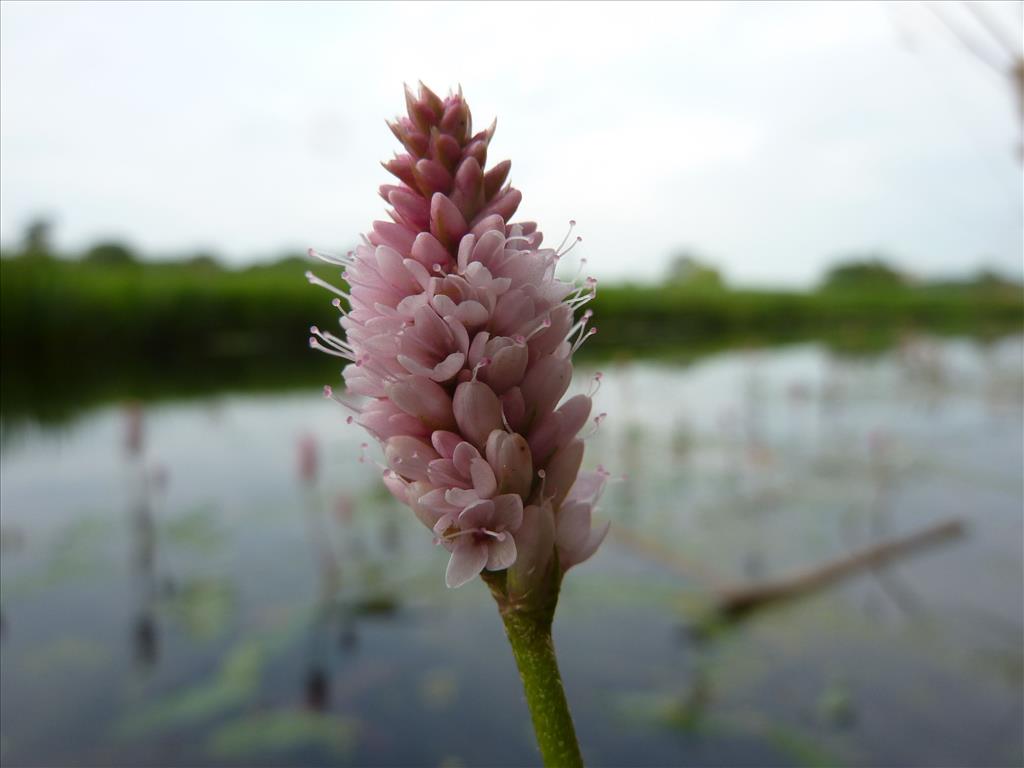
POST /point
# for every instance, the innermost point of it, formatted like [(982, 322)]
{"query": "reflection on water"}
[(224, 581)]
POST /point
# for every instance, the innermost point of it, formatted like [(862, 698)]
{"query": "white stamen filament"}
[(572, 226), (335, 342), (596, 425), (330, 394), (544, 325), (484, 362), (340, 261), (582, 338), (580, 325), (314, 280), (559, 254)]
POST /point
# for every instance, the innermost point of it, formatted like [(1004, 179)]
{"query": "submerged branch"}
[(736, 601)]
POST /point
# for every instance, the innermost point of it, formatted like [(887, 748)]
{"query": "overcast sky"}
[(771, 137)]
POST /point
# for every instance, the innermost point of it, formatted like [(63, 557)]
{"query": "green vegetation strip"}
[(77, 332)]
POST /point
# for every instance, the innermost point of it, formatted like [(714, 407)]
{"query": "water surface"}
[(175, 591)]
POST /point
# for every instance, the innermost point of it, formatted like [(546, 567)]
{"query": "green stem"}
[(529, 633)]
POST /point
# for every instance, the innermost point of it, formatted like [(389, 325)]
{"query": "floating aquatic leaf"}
[(235, 682), (270, 733)]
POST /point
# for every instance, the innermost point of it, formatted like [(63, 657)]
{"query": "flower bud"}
[(468, 194), (507, 367), (409, 457), (447, 223), (562, 470), (393, 235), (515, 466), (495, 177), (428, 251), (477, 411), (545, 384), (431, 177), (423, 399), (413, 209), (535, 542)]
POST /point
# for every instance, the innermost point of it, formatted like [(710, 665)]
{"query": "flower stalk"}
[(528, 628)]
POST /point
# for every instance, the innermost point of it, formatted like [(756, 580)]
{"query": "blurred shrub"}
[(689, 270), (110, 254), (872, 273)]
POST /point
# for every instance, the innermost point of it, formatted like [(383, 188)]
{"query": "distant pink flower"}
[(307, 458), (459, 341)]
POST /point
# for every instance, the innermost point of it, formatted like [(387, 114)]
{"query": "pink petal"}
[(389, 261), (397, 486), (575, 411), (468, 559), (501, 553), (461, 497), (443, 305), (547, 341), (589, 547), (444, 442), (434, 500), (426, 400), (535, 543), (448, 367), (488, 245), (425, 515), (562, 469), (459, 332), (572, 526), (507, 367), (428, 251), (514, 407), (545, 384), (418, 271), (409, 456), (588, 487), (477, 347), (472, 313), (493, 445), (508, 513), (463, 457), (442, 472), (465, 251), (513, 310), (392, 235), (488, 222), (478, 514), (484, 481), (477, 411), (544, 435), (414, 366)]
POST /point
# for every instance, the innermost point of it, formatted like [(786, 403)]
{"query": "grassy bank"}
[(74, 331)]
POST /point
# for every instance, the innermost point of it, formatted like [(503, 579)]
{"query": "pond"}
[(224, 581)]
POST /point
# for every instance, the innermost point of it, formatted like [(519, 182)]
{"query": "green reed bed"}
[(74, 332)]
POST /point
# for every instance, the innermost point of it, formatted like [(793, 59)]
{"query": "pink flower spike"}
[(457, 342)]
